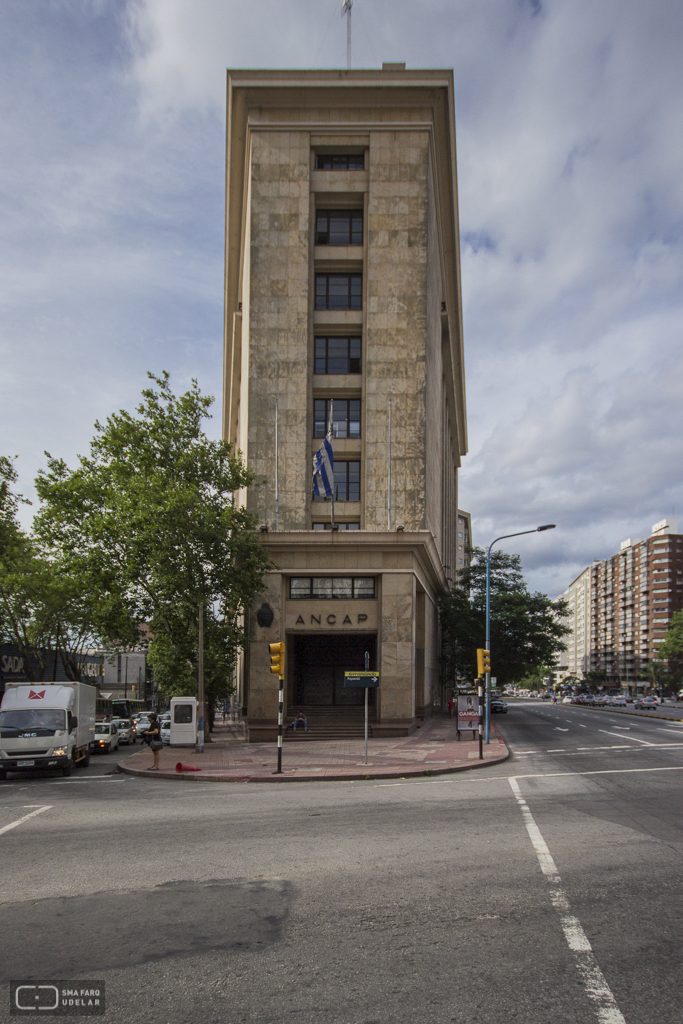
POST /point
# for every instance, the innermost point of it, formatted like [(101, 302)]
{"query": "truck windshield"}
[(30, 719)]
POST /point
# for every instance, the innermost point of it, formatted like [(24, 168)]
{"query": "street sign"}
[(361, 679)]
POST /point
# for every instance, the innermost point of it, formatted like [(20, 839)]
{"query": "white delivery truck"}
[(46, 725)]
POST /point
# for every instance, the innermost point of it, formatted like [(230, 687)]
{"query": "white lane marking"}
[(612, 746), (624, 728), (558, 728), (557, 750), (634, 738), (594, 981), (535, 775), (79, 782), (582, 726), (19, 821)]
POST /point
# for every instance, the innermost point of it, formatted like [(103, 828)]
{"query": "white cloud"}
[(570, 142)]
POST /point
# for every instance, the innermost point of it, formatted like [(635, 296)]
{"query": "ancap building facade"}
[(342, 296)]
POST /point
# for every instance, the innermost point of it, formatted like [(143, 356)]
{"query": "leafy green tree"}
[(672, 647), (535, 679), (598, 678), (148, 520), (526, 628), (45, 612)]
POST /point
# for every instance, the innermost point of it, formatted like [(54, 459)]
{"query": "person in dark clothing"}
[(300, 720), (153, 737)]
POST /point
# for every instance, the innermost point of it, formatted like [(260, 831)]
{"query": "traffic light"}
[(483, 661), (277, 659)]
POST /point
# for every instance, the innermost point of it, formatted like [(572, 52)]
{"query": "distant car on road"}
[(645, 703), (106, 737), (499, 707), (125, 730), (619, 702), (166, 731), (141, 726)]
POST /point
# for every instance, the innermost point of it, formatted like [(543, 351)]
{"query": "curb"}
[(300, 777)]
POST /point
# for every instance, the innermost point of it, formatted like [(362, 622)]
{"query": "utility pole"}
[(200, 685)]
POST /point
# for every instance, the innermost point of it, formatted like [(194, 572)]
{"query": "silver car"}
[(126, 730)]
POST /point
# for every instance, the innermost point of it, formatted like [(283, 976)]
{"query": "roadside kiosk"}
[(183, 721)]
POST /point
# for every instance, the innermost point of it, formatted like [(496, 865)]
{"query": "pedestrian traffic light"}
[(483, 661), (277, 659)]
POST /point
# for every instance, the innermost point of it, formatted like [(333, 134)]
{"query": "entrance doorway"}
[(319, 663)]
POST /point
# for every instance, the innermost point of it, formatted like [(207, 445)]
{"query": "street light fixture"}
[(537, 529)]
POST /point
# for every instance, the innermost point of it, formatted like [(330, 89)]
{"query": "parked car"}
[(166, 731), (125, 729), (106, 737), (499, 707), (646, 702)]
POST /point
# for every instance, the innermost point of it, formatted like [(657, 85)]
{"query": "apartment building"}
[(343, 318), (621, 607), (634, 595), (576, 659)]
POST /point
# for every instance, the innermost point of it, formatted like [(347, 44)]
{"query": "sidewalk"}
[(431, 750)]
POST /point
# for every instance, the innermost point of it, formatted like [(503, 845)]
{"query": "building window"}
[(353, 525), (346, 482), (337, 355), (340, 162), (345, 417), (332, 587), (338, 291), (339, 227)]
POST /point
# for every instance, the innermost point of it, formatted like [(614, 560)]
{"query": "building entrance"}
[(319, 664)]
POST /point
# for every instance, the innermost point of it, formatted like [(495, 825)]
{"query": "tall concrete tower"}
[(342, 307)]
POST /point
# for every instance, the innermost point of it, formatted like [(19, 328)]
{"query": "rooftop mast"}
[(346, 10)]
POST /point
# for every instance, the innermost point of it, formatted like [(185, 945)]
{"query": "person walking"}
[(153, 738)]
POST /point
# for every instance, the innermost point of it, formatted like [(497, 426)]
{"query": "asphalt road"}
[(546, 889)]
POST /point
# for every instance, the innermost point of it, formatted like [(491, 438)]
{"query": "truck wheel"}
[(86, 759)]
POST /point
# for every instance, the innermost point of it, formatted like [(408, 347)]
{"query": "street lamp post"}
[(537, 529)]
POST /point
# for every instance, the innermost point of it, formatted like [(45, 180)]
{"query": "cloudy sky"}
[(570, 142)]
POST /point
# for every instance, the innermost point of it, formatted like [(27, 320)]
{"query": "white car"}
[(141, 726), (166, 731), (106, 737), (125, 729)]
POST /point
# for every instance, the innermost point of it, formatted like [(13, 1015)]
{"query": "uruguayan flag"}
[(323, 469)]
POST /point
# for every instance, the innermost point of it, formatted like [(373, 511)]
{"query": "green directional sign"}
[(361, 679)]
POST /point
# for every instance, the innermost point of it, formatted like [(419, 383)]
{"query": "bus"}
[(106, 708), (127, 708)]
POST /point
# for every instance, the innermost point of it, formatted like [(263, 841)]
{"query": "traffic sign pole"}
[(367, 668), (481, 721)]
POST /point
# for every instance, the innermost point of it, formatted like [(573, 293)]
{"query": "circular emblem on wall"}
[(265, 616)]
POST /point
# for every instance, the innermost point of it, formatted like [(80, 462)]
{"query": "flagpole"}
[(277, 495), (331, 433)]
